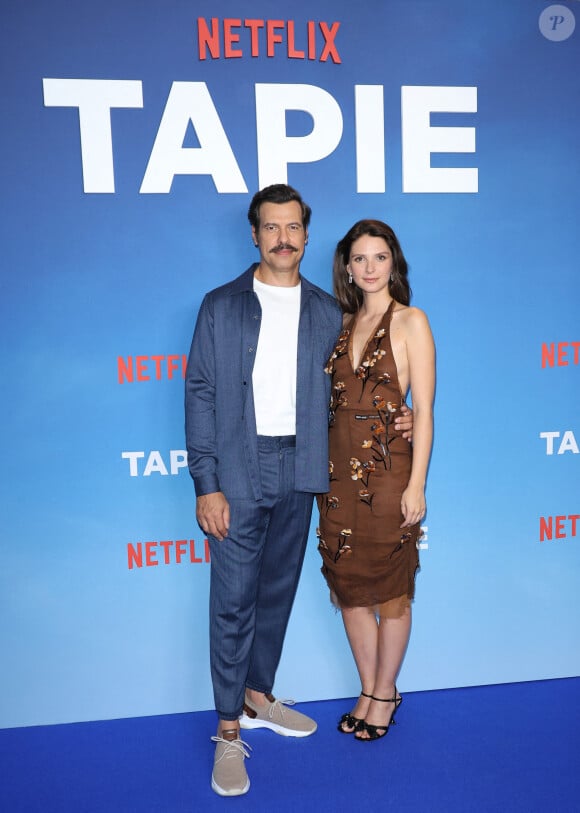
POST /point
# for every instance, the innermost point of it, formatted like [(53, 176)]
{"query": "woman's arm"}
[(421, 358)]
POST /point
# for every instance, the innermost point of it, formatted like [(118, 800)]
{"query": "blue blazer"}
[(220, 419)]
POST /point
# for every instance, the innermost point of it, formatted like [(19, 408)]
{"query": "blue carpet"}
[(513, 748)]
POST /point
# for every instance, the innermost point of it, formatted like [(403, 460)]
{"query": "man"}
[(257, 426)]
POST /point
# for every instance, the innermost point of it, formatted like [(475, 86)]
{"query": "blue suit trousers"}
[(254, 577)]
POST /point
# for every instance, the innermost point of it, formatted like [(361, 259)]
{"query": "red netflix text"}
[(563, 526), (146, 368), (234, 39), (560, 354), (167, 552)]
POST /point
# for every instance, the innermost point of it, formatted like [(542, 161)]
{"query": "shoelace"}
[(233, 746), (280, 704)]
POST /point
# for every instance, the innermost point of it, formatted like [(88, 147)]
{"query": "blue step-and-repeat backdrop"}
[(134, 134)]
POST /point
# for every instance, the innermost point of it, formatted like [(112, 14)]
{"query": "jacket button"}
[(250, 349)]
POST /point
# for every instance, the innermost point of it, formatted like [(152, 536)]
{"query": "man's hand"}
[(404, 422), (213, 514)]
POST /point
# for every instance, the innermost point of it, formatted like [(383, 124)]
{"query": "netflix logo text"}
[(235, 39), (167, 552), (151, 368), (562, 526), (560, 354)]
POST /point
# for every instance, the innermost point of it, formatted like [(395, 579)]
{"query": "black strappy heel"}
[(377, 732), (351, 721)]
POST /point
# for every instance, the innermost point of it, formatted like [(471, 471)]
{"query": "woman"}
[(369, 520)]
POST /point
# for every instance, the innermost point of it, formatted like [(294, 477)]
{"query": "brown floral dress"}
[(368, 560)]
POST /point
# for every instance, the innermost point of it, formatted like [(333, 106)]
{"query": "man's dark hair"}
[(276, 193)]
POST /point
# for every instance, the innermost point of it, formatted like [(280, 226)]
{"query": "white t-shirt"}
[(274, 375)]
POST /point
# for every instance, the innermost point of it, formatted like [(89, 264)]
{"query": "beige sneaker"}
[(229, 777), (276, 716)]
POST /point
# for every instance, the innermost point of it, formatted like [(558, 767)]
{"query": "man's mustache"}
[(283, 247)]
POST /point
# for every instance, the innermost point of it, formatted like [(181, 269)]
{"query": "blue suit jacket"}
[(219, 402)]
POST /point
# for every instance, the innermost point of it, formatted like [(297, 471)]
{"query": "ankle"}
[(385, 692), (257, 698), (228, 731)]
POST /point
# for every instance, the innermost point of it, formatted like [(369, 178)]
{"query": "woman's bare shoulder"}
[(410, 316)]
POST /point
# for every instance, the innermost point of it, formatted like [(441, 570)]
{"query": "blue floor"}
[(512, 748)]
